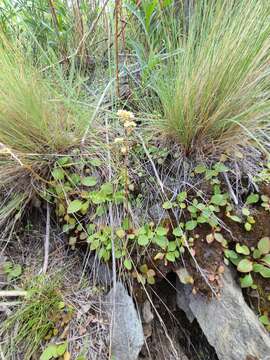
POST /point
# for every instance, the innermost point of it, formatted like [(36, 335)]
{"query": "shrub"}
[(215, 93)]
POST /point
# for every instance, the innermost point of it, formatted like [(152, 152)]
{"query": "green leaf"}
[(245, 266), (248, 226), (235, 218), (171, 246), (170, 256), (256, 254), (128, 264), (74, 206), (252, 199), (143, 240), (245, 211), (200, 169), (89, 181), (246, 281), (242, 249), (264, 320), (49, 353), (107, 188), (15, 272), (219, 199), (220, 167), (265, 272), (161, 241), (266, 259), (177, 232), (191, 225), (61, 349), (58, 174), (120, 233), (167, 205), (161, 231), (264, 245), (182, 196), (95, 162)]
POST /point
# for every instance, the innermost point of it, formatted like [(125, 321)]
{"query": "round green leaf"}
[(245, 266), (74, 206), (191, 225), (89, 181), (252, 199), (143, 240), (264, 245)]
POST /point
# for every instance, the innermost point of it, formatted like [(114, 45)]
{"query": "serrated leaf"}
[(89, 181), (264, 245), (245, 266), (191, 225), (246, 281), (74, 206), (252, 199)]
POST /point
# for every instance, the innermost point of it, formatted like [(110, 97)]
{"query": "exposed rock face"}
[(127, 332), (230, 326)]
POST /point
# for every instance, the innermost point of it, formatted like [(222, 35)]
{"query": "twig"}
[(152, 163), (96, 111), (117, 5), (12, 293), (47, 241)]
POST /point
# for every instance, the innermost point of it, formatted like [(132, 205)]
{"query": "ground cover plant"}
[(154, 157)]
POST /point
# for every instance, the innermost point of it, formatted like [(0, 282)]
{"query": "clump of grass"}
[(215, 93), (29, 324), (37, 122)]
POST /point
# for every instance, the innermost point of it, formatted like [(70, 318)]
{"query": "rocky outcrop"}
[(127, 336), (230, 326)]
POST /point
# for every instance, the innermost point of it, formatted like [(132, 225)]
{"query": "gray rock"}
[(127, 336), (230, 326), (182, 299)]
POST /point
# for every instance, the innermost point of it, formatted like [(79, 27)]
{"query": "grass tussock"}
[(37, 122), (31, 322), (216, 92)]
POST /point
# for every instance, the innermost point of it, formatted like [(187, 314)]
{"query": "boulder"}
[(229, 324), (127, 336)]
